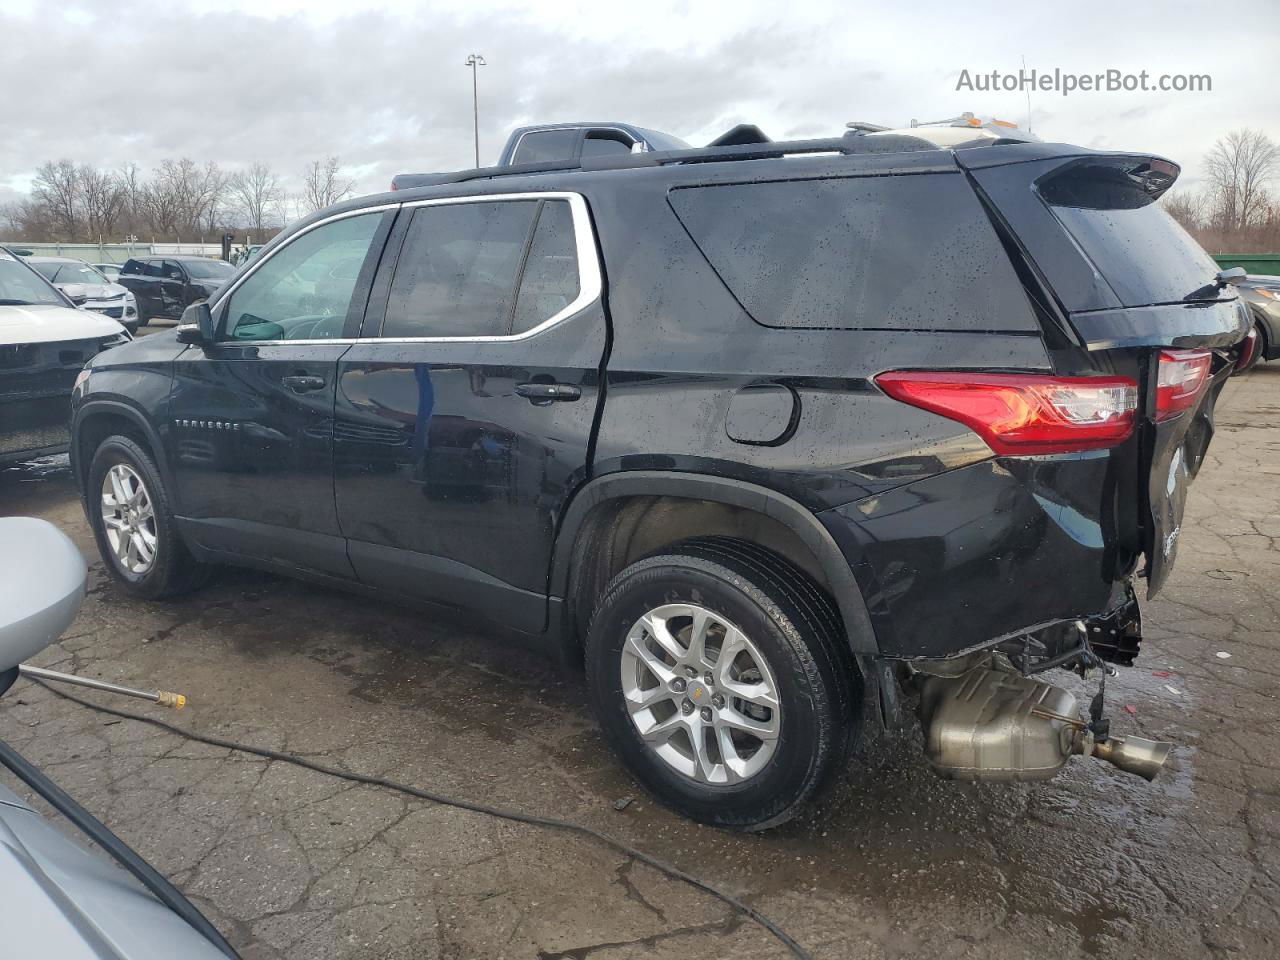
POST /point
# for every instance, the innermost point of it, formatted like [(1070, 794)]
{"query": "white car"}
[(86, 286), (44, 343)]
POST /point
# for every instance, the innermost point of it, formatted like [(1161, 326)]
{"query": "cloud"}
[(384, 88)]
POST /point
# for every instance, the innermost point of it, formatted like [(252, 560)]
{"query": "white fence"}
[(115, 252)]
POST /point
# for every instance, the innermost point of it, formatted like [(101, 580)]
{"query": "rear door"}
[(1138, 294), (173, 286), (464, 414)]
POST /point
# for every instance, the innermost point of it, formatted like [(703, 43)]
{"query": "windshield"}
[(209, 269), (77, 273), (20, 285)]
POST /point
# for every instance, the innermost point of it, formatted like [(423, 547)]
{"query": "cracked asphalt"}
[(892, 863)]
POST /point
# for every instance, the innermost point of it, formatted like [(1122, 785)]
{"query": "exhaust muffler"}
[(994, 724)]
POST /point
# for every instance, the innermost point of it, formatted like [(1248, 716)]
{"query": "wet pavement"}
[(892, 863)]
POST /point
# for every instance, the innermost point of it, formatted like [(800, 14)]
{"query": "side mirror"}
[(42, 580), (196, 325), (1231, 276)]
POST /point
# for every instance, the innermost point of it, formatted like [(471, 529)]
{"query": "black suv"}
[(166, 286), (751, 432)]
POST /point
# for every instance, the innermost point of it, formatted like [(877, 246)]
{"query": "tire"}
[(171, 570), (786, 620)]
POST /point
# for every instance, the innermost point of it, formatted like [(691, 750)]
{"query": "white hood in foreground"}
[(40, 323)]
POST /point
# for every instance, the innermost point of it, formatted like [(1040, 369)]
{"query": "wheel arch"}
[(582, 553), (93, 423)]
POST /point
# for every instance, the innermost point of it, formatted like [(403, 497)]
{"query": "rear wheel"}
[(718, 675), (133, 524)]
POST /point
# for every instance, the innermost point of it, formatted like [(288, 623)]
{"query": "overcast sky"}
[(383, 85)]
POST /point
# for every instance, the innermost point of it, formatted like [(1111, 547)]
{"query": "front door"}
[(173, 285), (464, 414), (252, 415)]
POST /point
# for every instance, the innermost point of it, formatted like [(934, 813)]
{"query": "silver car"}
[(88, 288), (57, 900)]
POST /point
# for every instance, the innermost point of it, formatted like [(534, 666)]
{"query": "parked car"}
[(848, 413), (109, 270), (550, 142), (61, 901), (85, 286), (1262, 295), (44, 343), (165, 286)]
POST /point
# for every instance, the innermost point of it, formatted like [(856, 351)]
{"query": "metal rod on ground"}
[(162, 697)]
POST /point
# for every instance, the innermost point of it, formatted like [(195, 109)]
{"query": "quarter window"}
[(550, 281), (304, 291)]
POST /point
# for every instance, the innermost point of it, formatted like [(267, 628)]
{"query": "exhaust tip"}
[(1136, 755)]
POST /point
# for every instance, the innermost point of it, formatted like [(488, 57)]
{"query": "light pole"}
[(475, 61)]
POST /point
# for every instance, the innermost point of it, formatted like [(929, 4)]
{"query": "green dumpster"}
[(1268, 263)]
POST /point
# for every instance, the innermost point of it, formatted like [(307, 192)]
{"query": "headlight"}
[(81, 377), (114, 340)]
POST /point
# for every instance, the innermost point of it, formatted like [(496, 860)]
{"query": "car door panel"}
[(448, 482), (449, 479), (252, 414)]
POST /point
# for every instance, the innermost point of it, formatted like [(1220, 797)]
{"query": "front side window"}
[(172, 270), (46, 269), (305, 290), (154, 268)]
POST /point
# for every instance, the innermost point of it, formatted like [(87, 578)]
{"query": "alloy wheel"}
[(701, 694), (129, 519)]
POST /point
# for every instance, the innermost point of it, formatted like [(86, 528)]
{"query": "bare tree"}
[(1188, 206), (183, 197), (1239, 168), (255, 193), (103, 201), (323, 185), (57, 187)]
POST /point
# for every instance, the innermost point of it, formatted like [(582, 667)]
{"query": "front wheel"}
[(133, 524), (718, 676)]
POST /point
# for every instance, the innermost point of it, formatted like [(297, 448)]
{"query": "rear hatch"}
[(1124, 290)]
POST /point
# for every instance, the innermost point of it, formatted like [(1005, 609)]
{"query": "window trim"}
[(590, 278)]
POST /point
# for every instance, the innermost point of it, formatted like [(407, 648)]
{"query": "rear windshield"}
[(890, 252), (1110, 209)]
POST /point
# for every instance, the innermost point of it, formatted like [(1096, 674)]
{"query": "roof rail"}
[(889, 143)]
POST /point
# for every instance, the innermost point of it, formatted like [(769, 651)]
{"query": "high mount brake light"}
[(1020, 414), (1180, 379)]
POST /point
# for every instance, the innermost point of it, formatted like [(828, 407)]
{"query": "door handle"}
[(303, 383), (548, 392)]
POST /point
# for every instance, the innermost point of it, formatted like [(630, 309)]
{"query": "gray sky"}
[(383, 86)]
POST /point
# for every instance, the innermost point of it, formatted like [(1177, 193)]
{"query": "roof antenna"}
[(1024, 75)]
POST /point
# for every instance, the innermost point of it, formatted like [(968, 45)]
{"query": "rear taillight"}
[(1248, 351), (1025, 414), (1181, 377)]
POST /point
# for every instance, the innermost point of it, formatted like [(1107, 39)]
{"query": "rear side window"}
[(892, 252), (132, 267), (1110, 209), (457, 271), (546, 145)]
